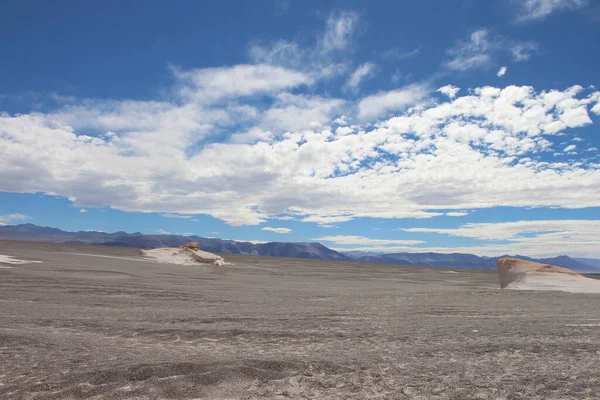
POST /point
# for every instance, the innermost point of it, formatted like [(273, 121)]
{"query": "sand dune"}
[(526, 275)]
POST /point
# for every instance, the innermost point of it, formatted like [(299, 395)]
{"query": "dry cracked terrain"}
[(100, 323)]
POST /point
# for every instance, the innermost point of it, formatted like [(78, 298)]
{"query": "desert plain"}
[(103, 323)]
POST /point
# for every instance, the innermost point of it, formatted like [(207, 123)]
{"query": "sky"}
[(456, 126)]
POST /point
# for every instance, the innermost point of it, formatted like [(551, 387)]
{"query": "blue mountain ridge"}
[(308, 250)]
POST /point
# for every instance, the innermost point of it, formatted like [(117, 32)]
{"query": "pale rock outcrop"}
[(527, 275), (187, 254)]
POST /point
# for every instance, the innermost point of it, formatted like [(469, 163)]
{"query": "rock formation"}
[(527, 275), (191, 246), (187, 254)]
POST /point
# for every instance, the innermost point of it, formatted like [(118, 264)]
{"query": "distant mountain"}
[(358, 254), (595, 262), (458, 260), (455, 260), (141, 241), (568, 262), (275, 249)]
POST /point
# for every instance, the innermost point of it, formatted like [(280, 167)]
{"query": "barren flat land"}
[(102, 323)]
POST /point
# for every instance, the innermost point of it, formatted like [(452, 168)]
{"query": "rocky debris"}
[(528, 275)]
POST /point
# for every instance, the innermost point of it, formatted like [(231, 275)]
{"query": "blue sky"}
[(387, 126)]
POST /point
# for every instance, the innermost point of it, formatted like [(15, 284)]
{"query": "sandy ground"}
[(82, 326)]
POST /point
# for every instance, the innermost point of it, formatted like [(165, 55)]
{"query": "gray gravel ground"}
[(82, 326)]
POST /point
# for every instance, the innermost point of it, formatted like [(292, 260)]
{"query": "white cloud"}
[(502, 71), (83, 210), (514, 230), (540, 9), (360, 74), (163, 232), (292, 112), (482, 48), (533, 238), (457, 213), (382, 103), (449, 90), (325, 58), (328, 219), (277, 230), (283, 218), (399, 54), (11, 218), (339, 30), (210, 84), (252, 135), (182, 156), (569, 148), (522, 51), (544, 238), (176, 216), (361, 240)]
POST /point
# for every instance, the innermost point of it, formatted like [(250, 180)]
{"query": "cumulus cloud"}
[(208, 84), (382, 103), (482, 48), (250, 142), (449, 90), (570, 148), (473, 151), (540, 9), (502, 71), (293, 112), (11, 218), (277, 230), (83, 210)]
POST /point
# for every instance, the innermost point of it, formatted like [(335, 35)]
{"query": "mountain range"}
[(310, 250)]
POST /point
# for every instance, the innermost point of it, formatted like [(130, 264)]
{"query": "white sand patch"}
[(183, 256), (518, 274), (560, 282), (15, 261)]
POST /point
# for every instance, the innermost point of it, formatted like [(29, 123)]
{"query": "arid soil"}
[(101, 323)]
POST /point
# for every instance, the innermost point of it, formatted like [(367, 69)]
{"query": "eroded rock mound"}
[(190, 246), (187, 254), (527, 275)]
